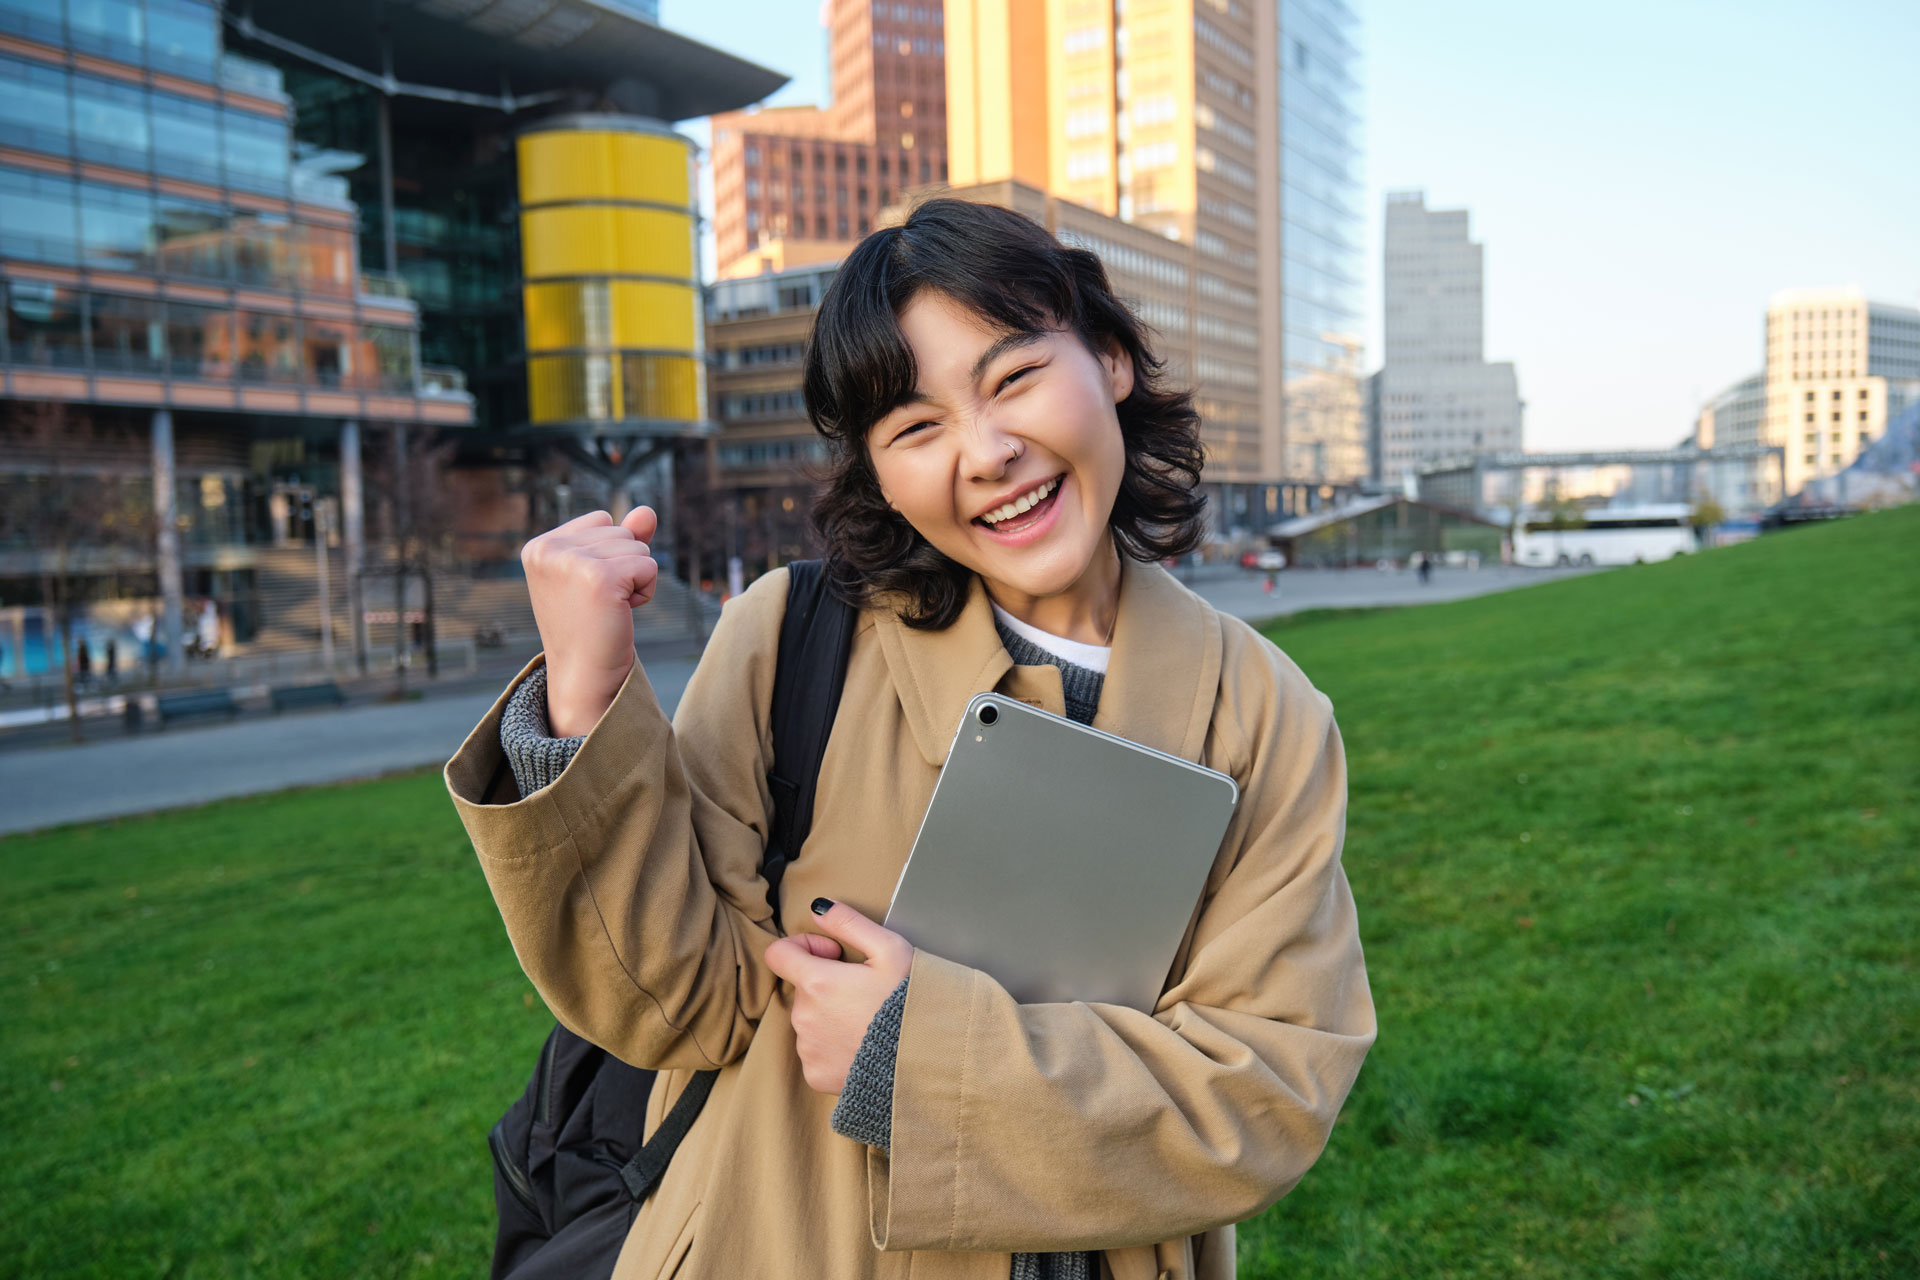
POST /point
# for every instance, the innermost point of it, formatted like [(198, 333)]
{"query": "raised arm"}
[(1050, 1127), (631, 885)]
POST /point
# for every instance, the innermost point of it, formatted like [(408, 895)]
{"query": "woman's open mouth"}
[(1025, 513)]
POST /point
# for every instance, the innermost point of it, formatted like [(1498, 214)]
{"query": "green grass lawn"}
[(1635, 858)]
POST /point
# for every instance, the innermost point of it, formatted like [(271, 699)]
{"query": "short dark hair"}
[(1011, 272)]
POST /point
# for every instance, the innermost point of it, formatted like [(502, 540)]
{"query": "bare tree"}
[(420, 509), (75, 516)]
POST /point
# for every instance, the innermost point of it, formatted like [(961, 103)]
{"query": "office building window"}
[(192, 239), (33, 106), (44, 325), (199, 341), (110, 122), (269, 347), (256, 150), (333, 353), (186, 138), (116, 228), (40, 222), (393, 357), (182, 36), (116, 28), (128, 334)]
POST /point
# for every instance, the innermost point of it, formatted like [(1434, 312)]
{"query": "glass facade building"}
[(1321, 206), (190, 344)]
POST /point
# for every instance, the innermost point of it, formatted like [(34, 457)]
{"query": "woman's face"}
[(1009, 457)]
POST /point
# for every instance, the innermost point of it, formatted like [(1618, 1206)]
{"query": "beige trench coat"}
[(630, 889)]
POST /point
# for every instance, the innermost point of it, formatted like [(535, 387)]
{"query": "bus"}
[(1611, 535)]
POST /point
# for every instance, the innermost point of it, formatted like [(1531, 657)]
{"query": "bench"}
[(206, 702), (293, 696)]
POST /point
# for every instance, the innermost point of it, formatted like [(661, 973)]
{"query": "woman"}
[(1007, 469)]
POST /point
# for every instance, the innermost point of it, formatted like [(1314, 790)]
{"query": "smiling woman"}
[(962, 361), (1007, 468)]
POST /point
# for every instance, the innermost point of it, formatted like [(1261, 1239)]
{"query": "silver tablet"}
[(1064, 861)]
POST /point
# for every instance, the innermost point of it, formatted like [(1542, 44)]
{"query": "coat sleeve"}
[(1047, 1127), (631, 886)]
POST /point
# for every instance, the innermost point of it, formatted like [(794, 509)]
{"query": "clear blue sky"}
[(1643, 175)]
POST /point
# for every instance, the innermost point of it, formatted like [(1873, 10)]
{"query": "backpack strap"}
[(815, 640), (809, 675)]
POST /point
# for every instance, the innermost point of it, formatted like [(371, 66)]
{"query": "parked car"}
[(1269, 561)]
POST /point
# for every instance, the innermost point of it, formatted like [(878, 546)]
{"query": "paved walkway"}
[(191, 766), (55, 785)]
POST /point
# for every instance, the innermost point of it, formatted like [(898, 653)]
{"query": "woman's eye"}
[(912, 430), (1013, 377)]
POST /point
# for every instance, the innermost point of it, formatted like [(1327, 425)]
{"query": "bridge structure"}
[(1460, 482)]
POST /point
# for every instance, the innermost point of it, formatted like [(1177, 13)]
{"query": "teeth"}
[(1020, 505)]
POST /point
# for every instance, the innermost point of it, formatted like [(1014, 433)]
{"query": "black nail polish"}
[(822, 905)]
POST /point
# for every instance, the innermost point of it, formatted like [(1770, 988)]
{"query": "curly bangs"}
[(1012, 273)]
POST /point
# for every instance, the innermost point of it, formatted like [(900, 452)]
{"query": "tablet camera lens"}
[(989, 713)]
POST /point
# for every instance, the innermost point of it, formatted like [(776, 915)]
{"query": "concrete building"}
[(1737, 416), (1439, 398), (1166, 118), (746, 492), (800, 185), (1839, 367), (189, 198)]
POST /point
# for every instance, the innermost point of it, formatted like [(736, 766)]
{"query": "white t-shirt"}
[(1091, 656)]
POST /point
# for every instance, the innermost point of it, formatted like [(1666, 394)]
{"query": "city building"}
[(1320, 237), (1164, 117), (1371, 529), (746, 492), (800, 185), (1737, 416), (188, 323), (190, 200), (1439, 398), (1839, 367)]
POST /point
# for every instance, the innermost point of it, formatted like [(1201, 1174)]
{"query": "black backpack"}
[(569, 1170)]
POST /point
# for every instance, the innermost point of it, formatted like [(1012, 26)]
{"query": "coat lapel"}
[(1160, 684)]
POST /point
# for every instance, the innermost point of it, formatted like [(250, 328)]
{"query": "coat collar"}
[(1160, 685)]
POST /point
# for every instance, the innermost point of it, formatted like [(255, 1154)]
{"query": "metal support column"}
[(353, 535), (389, 247), (167, 545), (402, 527)]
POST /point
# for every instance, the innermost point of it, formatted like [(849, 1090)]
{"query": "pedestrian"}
[(82, 660), (1424, 563), (1007, 463), (113, 660)]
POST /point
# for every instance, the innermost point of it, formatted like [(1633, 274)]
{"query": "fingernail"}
[(822, 905)]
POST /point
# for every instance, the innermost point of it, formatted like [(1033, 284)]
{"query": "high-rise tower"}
[(1439, 398), (798, 185), (1176, 117)]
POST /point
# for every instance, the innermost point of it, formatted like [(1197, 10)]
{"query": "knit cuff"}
[(535, 756), (865, 1110)]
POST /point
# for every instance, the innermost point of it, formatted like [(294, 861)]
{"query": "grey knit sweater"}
[(864, 1112)]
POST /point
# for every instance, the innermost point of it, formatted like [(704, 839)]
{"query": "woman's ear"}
[(1119, 367)]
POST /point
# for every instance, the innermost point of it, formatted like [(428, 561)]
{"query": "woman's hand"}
[(586, 579), (835, 999)]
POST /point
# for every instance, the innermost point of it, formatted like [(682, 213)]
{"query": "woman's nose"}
[(990, 453)]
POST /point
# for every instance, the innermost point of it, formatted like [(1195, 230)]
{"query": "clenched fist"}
[(586, 579)]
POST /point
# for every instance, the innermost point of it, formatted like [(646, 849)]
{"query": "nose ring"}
[(1016, 451)]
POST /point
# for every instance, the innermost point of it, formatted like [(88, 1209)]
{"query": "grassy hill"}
[(1633, 853)]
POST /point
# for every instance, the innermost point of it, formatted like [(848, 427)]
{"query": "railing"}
[(378, 284), (439, 380)]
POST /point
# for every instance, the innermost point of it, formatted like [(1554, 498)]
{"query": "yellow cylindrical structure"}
[(612, 290)]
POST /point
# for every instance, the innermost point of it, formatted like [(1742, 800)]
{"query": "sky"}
[(1643, 175)]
